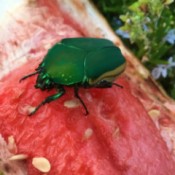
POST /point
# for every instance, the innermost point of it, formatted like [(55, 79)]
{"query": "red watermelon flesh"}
[(117, 137)]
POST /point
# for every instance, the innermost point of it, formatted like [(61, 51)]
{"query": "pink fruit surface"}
[(117, 137)]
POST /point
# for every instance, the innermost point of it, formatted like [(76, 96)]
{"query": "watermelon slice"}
[(118, 137)]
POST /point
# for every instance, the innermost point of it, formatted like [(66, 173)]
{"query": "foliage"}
[(112, 9), (147, 27)]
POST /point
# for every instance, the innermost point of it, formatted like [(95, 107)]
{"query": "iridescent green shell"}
[(83, 60), (78, 62)]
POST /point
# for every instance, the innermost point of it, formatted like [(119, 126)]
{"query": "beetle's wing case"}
[(64, 64), (87, 44), (105, 63)]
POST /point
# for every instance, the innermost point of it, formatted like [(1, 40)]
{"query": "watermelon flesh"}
[(117, 137)]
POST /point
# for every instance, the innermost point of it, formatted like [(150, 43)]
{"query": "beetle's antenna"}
[(118, 85), (29, 75)]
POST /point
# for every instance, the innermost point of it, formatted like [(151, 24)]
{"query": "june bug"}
[(78, 62)]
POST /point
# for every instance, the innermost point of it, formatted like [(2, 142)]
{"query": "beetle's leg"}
[(29, 75), (49, 99), (76, 88), (118, 85)]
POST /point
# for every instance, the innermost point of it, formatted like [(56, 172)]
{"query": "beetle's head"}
[(43, 82)]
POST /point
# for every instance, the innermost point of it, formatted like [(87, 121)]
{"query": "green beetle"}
[(78, 62)]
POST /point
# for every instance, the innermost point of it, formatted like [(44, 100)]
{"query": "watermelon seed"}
[(31, 109), (42, 164), (154, 113), (12, 145), (18, 157), (72, 103), (88, 133), (25, 109)]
